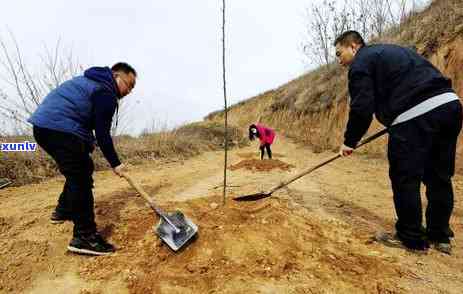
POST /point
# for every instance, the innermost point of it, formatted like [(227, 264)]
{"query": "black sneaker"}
[(442, 244), (93, 245), (58, 218), (443, 247)]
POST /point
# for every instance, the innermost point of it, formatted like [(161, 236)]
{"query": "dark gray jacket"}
[(387, 80)]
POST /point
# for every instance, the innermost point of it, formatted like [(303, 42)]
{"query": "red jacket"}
[(267, 135)]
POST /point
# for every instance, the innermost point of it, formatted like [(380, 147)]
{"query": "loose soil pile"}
[(262, 165), (313, 237), (238, 246)]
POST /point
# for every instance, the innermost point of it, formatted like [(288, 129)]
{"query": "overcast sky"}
[(174, 45)]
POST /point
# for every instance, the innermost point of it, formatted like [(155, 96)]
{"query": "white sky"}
[(174, 45)]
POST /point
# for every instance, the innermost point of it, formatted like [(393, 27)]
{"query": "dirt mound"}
[(313, 237), (239, 247), (19, 262), (261, 165)]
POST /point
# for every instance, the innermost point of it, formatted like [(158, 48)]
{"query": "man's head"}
[(125, 77), (347, 45)]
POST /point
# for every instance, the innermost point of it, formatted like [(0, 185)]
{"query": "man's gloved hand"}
[(120, 169), (345, 150)]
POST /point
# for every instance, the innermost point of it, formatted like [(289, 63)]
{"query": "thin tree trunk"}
[(225, 103)]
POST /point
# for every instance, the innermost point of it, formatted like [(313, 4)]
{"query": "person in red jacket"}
[(266, 136)]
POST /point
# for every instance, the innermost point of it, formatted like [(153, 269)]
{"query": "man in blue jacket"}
[(63, 126), (423, 115)]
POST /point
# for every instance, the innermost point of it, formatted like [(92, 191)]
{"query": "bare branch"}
[(326, 20), (22, 90)]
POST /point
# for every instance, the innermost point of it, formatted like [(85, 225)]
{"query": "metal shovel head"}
[(4, 182), (252, 197), (167, 233)]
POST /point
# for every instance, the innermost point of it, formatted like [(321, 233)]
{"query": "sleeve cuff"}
[(115, 163), (350, 143)]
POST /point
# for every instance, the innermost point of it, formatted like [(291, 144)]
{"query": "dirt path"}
[(314, 237)]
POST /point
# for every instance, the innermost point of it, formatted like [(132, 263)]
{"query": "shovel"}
[(175, 229), (261, 195), (4, 182)]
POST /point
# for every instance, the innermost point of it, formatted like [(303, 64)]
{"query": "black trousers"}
[(423, 151), (267, 147), (72, 155)]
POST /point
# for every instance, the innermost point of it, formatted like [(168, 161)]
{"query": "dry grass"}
[(428, 30), (313, 108), (181, 143)]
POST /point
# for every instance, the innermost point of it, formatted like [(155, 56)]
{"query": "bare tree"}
[(317, 46), (399, 10), (22, 89), (224, 193), (362, 11), (379, 16), (326, 20), (342, 19)]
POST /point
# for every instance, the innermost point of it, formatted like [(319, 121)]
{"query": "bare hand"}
[(345, 150), (120, 170)]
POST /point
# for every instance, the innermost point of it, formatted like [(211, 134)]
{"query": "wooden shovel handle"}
[(301, 174), (136, 187), (311, 169), (140, 190), (145, 195)]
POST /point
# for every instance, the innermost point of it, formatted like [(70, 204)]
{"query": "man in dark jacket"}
[(63, 126), (423, 114)]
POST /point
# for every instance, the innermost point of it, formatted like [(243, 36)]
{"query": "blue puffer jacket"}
[(81, 105)]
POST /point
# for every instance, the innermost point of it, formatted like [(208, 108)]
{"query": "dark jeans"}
[(423, 151), (267, 147), (72, 155)]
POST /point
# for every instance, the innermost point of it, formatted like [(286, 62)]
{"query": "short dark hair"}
[(124, 67), (349, 37)]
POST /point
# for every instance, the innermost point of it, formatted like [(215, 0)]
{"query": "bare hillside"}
[(313, 108)]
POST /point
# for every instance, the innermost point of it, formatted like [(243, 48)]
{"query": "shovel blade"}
[(252, 197), (4, 182), (167, 233)]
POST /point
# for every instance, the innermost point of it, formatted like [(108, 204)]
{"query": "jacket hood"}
[(104, 76)]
